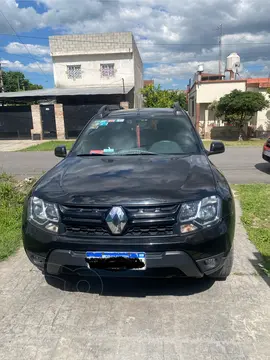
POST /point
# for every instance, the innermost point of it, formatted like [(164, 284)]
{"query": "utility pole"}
[(1, 79), (220, 28)]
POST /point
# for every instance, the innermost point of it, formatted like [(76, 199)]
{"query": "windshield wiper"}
[(135, 152)]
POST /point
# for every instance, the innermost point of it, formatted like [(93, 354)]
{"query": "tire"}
[(225, 271)]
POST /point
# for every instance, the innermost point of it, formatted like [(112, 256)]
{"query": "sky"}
[(173, 37)]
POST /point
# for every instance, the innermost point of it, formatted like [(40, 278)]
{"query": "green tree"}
[(213, 107), (155, 97), (16, 81), (238, 108)]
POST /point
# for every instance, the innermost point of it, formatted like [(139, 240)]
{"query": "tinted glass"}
[(166, 134)]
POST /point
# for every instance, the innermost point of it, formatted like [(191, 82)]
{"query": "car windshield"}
[(135, 135)]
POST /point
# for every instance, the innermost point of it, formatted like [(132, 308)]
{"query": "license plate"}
[(266, 153), (138, 259)]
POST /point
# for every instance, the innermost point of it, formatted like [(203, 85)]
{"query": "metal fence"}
[(15, 122), (77, 116)]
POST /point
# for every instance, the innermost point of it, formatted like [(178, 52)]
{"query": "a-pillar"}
[(37, 130), (198, 109), (59, 121)]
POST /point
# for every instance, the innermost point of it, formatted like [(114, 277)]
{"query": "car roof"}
[(143, 111)]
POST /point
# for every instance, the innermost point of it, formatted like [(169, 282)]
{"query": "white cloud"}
[(37, 67), (180, 71), (19, 48)]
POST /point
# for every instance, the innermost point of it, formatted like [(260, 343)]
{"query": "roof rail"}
[(106, 109)]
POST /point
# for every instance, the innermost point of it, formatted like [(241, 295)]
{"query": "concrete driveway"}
[(239, 165), (128, 319)]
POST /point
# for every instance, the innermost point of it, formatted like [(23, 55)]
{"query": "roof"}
[(259, 82), (66, 92), (216, 82), (148, 82), (209, 74), (254, 82)]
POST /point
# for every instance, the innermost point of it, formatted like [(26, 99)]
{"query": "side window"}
[(74, 72)]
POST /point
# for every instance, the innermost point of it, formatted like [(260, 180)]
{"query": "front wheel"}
[(225, 271)]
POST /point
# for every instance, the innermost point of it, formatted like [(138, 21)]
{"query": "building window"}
[(107, 70), (74, 72)]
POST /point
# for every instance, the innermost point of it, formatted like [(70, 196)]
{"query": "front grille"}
[(130, 231), (87, 230), (150, 231), (142, 221)]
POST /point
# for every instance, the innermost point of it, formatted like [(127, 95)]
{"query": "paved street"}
[(240, 165), (146, 320)]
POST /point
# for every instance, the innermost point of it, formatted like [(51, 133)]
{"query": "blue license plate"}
[(95, 255)]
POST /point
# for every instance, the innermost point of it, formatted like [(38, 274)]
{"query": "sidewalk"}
[(15, 145)]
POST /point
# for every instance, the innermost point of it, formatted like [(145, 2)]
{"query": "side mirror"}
[(216, 147), (60, 151)]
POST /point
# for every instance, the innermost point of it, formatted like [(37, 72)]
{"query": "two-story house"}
[(109, 60)]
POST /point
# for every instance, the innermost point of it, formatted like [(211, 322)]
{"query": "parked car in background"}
[(266, 150), (136, 195)]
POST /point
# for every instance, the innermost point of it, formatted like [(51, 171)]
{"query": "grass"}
[(258, 143), (12, 195), (256, 217), (49, 145)]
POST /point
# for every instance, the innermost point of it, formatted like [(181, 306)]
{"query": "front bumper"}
[(173, 263), (187, 255)]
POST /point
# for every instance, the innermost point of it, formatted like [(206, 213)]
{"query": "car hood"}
[(127, 179)]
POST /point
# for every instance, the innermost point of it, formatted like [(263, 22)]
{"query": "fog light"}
[(52, 227), (186, 228), (37, 260), (210, 263)]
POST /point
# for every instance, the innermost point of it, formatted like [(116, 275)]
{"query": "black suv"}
[(137, 194)]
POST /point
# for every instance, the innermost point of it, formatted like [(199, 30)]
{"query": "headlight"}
[(43, 213), (203, 213)]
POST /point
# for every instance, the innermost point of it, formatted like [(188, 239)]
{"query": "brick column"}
[(37, 122), (198, 109), (59, 121), (124, 104)]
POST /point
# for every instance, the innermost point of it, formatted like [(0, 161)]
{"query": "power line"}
[(137, 42), (18, 36)]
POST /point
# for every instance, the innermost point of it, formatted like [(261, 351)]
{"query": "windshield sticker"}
[(119, 120), (103, 122), (109, 150), (96, 151), (111, 121)]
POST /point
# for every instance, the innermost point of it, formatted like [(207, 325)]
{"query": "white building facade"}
[(202, 94), (98, 60)]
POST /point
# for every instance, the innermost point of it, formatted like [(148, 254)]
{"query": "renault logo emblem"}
[(117, 219)]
